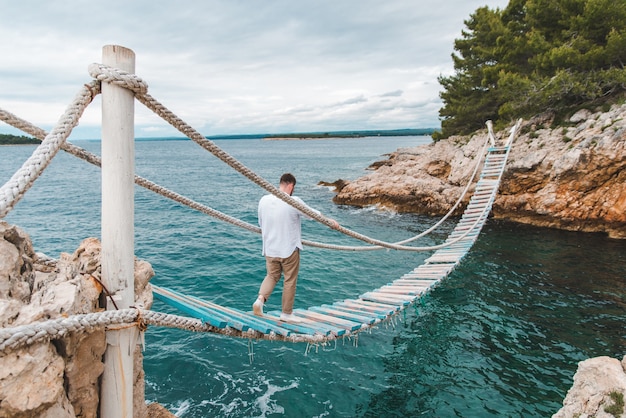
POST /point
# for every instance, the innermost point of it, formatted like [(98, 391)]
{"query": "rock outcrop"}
[(60, 378), (569, 178), (598, 391)]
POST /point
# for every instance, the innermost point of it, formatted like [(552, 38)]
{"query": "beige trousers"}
[(289, 267)]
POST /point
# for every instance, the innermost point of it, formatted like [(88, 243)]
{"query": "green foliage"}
[(534, 56), (6, 139), (617, 409)]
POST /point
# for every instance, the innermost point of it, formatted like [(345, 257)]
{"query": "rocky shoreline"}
[(59, 378), (598, 391), (569, 178)]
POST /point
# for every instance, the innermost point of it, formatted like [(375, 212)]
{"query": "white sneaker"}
[(257, 307), (290, 318)]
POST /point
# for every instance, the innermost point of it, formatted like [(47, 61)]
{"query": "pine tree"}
[(534, 56)]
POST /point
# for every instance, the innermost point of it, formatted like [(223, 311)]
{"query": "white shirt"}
[(280, 226)]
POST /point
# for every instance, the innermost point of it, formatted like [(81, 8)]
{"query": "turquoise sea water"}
[(502, 336)]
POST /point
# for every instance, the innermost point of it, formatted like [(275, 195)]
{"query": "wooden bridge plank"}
[(363, 310), (384, 308), (329, 310), (304, 328), (415, 282), (388, 298), (329, 319)]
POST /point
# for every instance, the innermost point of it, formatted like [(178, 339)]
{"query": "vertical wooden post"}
[(118, 168)]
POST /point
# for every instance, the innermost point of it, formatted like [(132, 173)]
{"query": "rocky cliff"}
[(598, 391), (567, 177), (60, 378)]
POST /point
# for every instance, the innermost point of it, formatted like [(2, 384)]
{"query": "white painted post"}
[(118, 169)]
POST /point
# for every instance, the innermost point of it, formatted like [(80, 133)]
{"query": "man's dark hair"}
[(288, 178)]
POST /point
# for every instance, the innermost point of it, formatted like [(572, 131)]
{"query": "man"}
[(282, 241)]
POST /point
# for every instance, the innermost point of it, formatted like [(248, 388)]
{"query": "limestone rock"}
[(157, 411), (569, 178), (580, 116), (140, 409), (71, 288), (594, 381), (83, 356), (143, 289), (62, 377), (31, 382), (16, 264)]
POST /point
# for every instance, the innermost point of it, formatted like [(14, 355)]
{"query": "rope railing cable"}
[(15, 188), (438, 223), (82, 153), (487, 207), (508, 143), (140, 88), (107, 74), (12, 338), (85, 155), (457, 203), (441, 221)]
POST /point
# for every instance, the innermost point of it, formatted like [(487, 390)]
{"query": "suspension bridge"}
[(318, 324)]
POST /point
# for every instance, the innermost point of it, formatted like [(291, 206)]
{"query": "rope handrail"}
[(14, 189), (351, 316), (456, 204), (13, 338), (139, 87), (105, 73), (82, 153)]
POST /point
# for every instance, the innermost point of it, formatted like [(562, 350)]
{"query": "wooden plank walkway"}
[(348, 317)]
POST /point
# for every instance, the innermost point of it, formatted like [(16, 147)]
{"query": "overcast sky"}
[(229, 67)]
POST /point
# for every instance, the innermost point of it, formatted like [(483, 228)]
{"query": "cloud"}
[(348, 102), (239, 67), (396, 93)]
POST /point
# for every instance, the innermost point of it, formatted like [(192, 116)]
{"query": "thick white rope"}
[(13, 190), (456, 204), (12, 338), (107, 74), (82, 153), (140, 88)]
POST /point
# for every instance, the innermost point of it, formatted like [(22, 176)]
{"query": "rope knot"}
[(118, 77), (142, 325)]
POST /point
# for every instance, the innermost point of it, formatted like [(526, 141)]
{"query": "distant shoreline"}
[(345, 135), (330, 134), (7, 139), (320, 138)]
